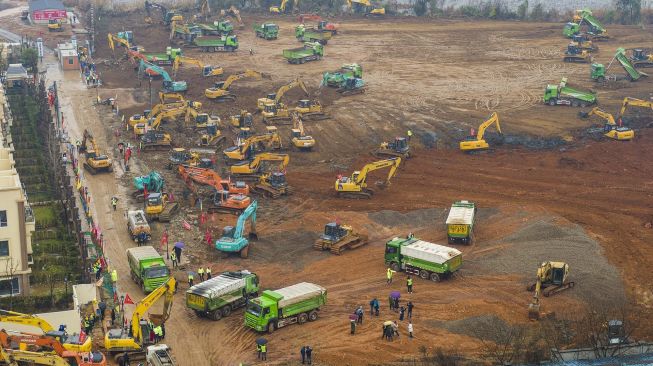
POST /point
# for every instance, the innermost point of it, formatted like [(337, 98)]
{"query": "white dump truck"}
[(159, 355), (137, 223)]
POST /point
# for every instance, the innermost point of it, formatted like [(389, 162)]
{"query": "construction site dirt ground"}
[(555, 193)]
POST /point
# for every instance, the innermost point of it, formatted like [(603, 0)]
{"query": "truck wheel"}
[(216, 315), (552, 102), (271, 328), (424, 274), (226, 311), (312, 316), (394, 266), (575, 103), (435, 277), (303, 318), (200, 314)]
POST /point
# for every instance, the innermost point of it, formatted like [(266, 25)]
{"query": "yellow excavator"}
[(635, 103), (200, 120), (153, 123), (311, 110), (366, 7), (298, 136), (610, 129), (552, 278), (207, 70), (356, 185), (232, 12), (120, 340), (69, 342), (113, 40), (248, 148), (168, 97), (94, 161), (253, 168), (220, 90), (271, 106), (477, 142), (282, 7), (163, 106)]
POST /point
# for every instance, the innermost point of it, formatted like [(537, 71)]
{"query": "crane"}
[(356, 185), (248, 148), (366, 6), (95, 161), (207, 70), (611, 129), (551, 278), (43, 341), (120, 340), (221, 89), (72, 343), (168, 84), (477, 142), (252, 168), (232, 240)]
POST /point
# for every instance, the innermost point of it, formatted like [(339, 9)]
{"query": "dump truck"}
[(219, 296), (309, 52), (427, 260), (159, 355), (163, 58), (320, 36), (460, 222), (147, 268), (216, 44), (561, 94), (294, 304), (267, 31), (137, 224)]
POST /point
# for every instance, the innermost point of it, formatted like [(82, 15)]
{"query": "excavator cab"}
[(639, 54), (155, 203), (277, 180), (400, 144)]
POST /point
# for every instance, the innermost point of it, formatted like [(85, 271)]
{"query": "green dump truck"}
[(460, 222), (163, 58), (322, 36), (216, 44), (275, 309), (220, 295), (421, 258), (147, 267), (311, 51), (266, 31), (561, 94)]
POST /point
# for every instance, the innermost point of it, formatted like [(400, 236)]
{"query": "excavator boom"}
[(167, 290), (356, 185)]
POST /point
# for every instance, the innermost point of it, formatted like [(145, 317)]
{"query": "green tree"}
[(420, 7), (629, 11), (29, 57), (522, 10)]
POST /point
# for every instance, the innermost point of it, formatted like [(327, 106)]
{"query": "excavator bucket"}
[(534, 311)]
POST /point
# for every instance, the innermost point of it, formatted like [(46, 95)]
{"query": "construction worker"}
[(409, 284), (114, 280), (409, 134), (200, 272), (173, 258), (208, 273), (264, 352), (190, 279), (158, 333), (410, 329), (114, 202), (389, 275), (258, 351)]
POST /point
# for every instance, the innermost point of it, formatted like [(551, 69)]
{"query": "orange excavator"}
[(226, 196), (36, 344), (209, 177)]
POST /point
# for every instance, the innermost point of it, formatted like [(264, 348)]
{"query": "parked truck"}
[(421, 258), (163, 58), (561, 94), (216, 44), (460, 222), (147, 268), (294, 304), (220, 295), (137, 224), (267, 31), (309, 52), (304, 34), (159, 355)]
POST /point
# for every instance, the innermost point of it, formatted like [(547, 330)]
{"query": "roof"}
[(16, 71), (46, 5), (644, 359), (68, 53)]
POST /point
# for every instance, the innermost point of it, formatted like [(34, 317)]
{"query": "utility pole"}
[(150, 80)]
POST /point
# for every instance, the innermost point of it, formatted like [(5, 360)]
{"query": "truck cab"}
[(393, 254), (262, 311)]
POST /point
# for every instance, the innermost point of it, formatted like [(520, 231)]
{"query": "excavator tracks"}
[(366, 194), (226, 210), (272, 192), (552, 290), (576, 59), (278, 121), (346, 93), (350, 242), (315, 116), (167, 213), (378, 153)]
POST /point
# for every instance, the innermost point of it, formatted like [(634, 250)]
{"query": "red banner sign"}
[(49, 14)]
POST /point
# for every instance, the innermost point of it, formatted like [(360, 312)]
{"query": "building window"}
[(70, 61), (4, 248), (30, 259), (3, 218), (9, 286)]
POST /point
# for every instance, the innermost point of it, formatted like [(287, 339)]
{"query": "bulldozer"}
[(298, 137), (155, 140), (212, 136), (355, 186), (610, 129), (552, 278), (241, 124), (352, 86), (94, 161), (584, 42), (575, 54), (179, 156), (273, 185), (397, 148), (476, 142), (220, 91), (311, 110), (159, 207), (337, 238)]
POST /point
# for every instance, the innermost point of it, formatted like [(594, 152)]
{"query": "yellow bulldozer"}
[(356, 185), (94, 161), (337, 238), (551, 278), (397, 148)]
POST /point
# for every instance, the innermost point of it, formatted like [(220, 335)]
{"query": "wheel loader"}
[(337, 238)]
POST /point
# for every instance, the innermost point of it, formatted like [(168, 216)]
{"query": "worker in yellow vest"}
[(190, 279), (208, 273), (200, 272)]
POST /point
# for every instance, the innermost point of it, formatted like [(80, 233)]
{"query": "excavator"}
[(220, 90), (551, 279), (611, 129), (224, 202), (186, 32), (356, 185), (248, 148), (168, 84), (179, 155), (94, 161), (298, 137), (477, 142), (151, 114), (273, 185), (232, 240), (635, 103), (282, 7), (271, 106), (134, 340), (70, 342), (153, 123), (207, 70), (200, 120), (232, 12), (44, 345), (576, 54), (113, 39), (252, 169), (159, 207), (152, 182), (365, 6), (311, 110), (155, 140), (337, 238), (397, 148), (168, 15), (209, 177)]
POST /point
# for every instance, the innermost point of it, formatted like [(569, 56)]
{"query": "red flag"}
[(128, 300), (144, 191), (185, 224)]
